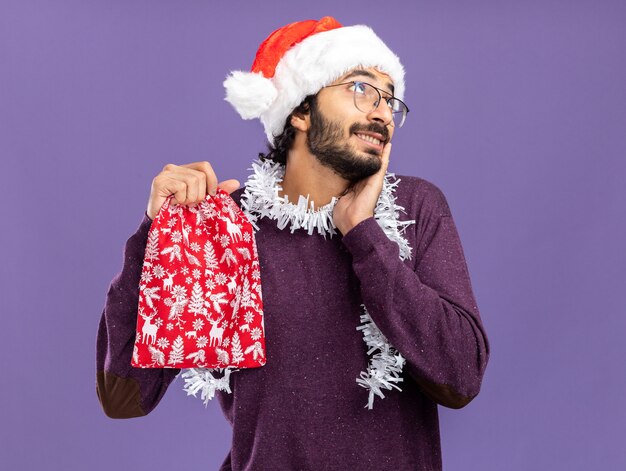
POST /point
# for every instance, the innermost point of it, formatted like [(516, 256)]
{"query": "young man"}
[(341, 244)]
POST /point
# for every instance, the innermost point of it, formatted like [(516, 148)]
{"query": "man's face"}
[(342, 137)]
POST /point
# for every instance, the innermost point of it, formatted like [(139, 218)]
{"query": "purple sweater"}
[(304, 410)]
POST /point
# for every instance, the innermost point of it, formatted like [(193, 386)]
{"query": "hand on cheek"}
[(359, 203)]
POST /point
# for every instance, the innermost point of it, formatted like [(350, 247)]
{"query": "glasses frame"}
[(382, 94)]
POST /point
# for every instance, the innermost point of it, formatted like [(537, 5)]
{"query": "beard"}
[(324, 140)]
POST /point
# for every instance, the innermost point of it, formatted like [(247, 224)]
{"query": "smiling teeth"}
[(371, 139)]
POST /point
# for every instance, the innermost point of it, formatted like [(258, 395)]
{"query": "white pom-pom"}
[(250, 93)]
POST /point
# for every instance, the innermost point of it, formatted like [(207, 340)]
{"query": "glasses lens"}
[(366, 97), (399, 110)]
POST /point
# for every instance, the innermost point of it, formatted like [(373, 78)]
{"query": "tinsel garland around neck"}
[(261, 199)]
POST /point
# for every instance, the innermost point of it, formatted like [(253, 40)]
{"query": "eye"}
[(358, 87), (394, 105)]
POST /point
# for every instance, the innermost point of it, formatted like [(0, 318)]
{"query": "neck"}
[(304, 175)]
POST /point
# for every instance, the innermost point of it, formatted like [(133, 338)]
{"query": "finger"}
[(229, 185), (196, 185), (375, 181), (210, 177), (385, 158), (201, 186), (179, 189), (174, 176)]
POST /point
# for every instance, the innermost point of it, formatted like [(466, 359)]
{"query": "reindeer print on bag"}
[(201, 285)]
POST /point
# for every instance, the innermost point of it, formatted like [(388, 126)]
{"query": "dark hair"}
[(278, 150)]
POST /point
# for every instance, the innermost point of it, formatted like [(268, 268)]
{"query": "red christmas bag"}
[(200, 303)]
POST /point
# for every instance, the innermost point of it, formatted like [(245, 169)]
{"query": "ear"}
[(301, 121)]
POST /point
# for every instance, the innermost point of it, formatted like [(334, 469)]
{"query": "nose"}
[(382, 114)]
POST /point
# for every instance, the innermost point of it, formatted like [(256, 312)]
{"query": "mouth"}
[(372, 139)]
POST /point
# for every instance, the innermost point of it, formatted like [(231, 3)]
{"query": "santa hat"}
[(299, 59)]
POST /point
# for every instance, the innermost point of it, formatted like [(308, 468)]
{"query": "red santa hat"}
[(299, 59)]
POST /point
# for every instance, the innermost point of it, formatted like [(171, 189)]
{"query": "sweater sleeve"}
[(428, 313), (123, 390)]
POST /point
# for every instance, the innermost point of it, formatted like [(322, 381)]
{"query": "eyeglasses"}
[(367, 98)]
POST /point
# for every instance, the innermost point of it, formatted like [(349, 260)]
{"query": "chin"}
[(364, 167), (347, 161), (373, 152)]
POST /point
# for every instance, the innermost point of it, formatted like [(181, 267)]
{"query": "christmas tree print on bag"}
[(200, 303)]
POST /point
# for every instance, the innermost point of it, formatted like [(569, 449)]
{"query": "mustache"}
[(371, 127)]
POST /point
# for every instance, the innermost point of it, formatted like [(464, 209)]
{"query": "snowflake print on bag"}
[(199, 302)]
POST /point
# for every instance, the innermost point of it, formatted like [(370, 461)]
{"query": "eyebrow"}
[(367, 73)]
